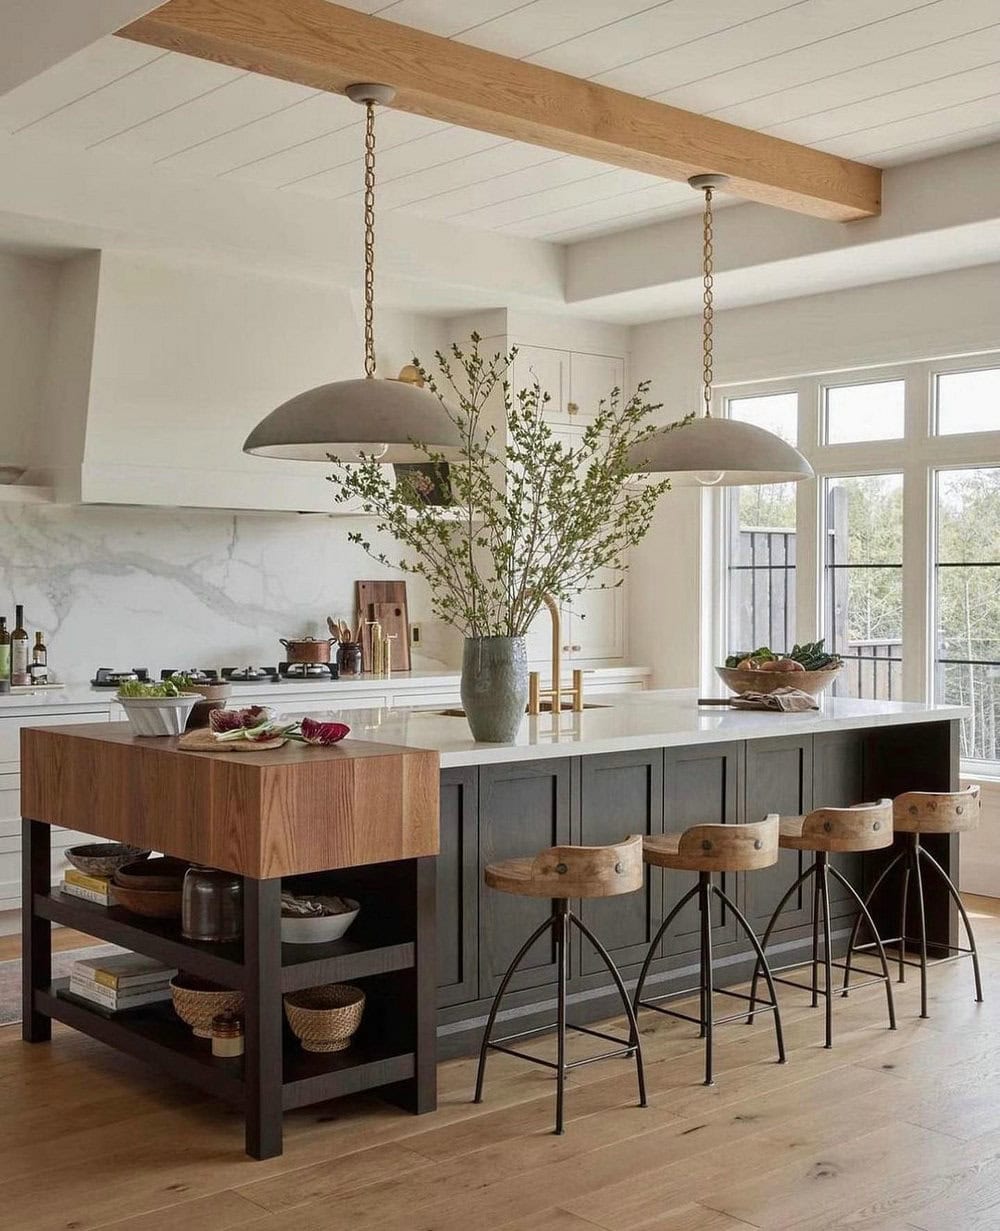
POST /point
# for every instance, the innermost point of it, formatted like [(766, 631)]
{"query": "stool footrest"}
[(625, 1049)]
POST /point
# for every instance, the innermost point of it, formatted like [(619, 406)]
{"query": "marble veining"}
[(125, 586)]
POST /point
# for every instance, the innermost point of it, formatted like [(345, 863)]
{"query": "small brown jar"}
[(227, 1035), (349, 658)]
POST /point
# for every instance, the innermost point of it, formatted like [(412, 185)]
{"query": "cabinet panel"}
[(523, 809), (621, 794), (778, 779), (700, 787), (591, 379), (10, 732), (549, 367), (458, 888), (838, 782)]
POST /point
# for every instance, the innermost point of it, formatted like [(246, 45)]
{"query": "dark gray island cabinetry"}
[(498, 809)]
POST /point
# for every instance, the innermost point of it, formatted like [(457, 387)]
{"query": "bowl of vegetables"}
[(156, 709), (808, 668)]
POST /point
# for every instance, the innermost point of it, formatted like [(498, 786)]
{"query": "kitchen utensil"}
[(202, 740), (197, 1002), (211, 905), (318, 929), (164, 872), (369, 592), (325, 1018), (104, 858), (812, 682), (307, 649)]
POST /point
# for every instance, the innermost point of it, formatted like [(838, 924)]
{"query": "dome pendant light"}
[(710, 451), (351, 418)]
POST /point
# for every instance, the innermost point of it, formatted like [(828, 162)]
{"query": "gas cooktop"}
[(283, 673)]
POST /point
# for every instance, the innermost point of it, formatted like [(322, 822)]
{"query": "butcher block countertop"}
[(283, 812)]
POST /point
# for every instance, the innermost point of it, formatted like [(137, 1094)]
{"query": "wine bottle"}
[(39, 668), (19, 651), (4, 649)]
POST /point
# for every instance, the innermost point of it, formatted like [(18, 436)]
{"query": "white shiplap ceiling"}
[(884, 81)]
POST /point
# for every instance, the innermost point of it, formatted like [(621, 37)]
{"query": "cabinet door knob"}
[(576, 647), (572, 408)]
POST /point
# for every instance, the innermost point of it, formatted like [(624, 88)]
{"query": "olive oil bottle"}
[(19, 650), (4, 649)]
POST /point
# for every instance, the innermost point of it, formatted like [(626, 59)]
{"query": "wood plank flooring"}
[(889, 1131)]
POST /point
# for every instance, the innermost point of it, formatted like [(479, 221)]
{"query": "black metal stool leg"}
[(859, 902), (562, 957), (817, 903), (549, 924), (738, 915), (707, 982), (799, 881), (675, 911), (633, 1023), (855, 930), (921, 921), (907, 870), (823, 877), (957, 899)]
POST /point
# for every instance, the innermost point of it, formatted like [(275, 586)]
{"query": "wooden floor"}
[(887, 1131)]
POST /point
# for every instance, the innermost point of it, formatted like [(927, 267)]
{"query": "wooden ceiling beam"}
[(328, 47)]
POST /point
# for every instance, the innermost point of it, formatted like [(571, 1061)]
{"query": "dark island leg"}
[(263, 1058), (36, 933), (419, 1094)]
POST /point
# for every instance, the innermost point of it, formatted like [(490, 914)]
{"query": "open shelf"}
[(311, 1077)]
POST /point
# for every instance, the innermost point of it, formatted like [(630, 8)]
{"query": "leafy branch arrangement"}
[(533, 516)]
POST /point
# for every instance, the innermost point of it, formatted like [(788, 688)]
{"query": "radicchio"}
[(323, 733), (220, 721)]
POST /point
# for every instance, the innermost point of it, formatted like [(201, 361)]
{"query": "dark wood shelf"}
[(310, 1077), (341, 960), (152, 1033)]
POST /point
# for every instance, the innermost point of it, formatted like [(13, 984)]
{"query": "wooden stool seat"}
[(572, 872), (865, 827), (716, 848), (937, 812)]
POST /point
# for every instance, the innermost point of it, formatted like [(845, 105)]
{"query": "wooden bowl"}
[(325, 1018), (196, 1002), (165, 872), (104, 858), (153, 903), (812, 682)]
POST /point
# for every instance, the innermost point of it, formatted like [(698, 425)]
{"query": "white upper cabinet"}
[(550, 368), (576, 382)]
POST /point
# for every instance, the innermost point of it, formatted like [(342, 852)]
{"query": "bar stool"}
[(864, 827), (913, 814), (706, 849), (562, 873)]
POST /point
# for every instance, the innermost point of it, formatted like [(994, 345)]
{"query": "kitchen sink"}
[(545, 707)]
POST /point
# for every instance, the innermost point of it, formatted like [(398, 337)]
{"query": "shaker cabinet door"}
[(778, 779), (458, 888), (621, 794), (591, 380), (838, 782), (524, 809)]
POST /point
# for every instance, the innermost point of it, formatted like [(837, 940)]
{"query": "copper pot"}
[(308, 649)]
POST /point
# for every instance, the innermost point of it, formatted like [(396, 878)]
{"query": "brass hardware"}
[(410, 375), (535, 691), (572, 408)]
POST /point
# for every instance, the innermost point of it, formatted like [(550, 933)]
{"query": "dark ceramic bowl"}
[(104, 858), (163, 873)]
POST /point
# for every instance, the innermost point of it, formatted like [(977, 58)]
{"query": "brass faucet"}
[(535, 691)]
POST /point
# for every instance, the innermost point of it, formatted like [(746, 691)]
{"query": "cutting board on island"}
[(385, 601)]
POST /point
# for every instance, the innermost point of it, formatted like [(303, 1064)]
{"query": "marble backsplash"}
[(125, 586)]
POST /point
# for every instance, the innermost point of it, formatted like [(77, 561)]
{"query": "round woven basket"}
[(196, 1002), (325, 1018)]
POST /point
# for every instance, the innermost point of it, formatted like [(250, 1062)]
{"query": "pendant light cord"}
[(369, 238), (708, 311)]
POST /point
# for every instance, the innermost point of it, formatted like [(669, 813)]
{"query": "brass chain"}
[(369, 237), (708, 311)]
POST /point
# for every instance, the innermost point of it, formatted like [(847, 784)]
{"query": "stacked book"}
[(121, 981), (90, 888)]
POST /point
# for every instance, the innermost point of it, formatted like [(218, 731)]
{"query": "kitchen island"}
[(643, 763)]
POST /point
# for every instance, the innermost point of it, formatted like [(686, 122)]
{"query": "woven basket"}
[(812, 682), (325, 1018), (196, 1002)]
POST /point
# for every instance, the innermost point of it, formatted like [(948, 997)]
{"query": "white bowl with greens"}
[(156, 709)]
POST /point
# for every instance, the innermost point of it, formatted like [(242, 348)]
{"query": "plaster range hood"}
[(158, 371)]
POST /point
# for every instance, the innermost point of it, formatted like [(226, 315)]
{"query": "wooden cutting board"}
[(369, 594), (202, 740)]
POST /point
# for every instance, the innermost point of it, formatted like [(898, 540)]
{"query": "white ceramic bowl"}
[(159, 715), (318, 929)]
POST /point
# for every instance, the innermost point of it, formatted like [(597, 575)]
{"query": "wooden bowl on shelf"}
[(164, 873), (326, 1018), (812, 682), (196, 1002), (153, 903), (104, 858)]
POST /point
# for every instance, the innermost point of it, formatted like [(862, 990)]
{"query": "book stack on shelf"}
[(91, 888), (119, 982)]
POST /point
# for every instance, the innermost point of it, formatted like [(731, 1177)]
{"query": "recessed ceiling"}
[(881, 81)]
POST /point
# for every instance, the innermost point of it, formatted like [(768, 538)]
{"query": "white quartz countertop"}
[(628, 721)]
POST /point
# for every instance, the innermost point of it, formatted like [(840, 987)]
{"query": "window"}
[(967, 604), (863, 585), (761, 524), (968, 401), (864, 412)]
